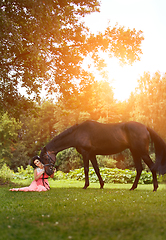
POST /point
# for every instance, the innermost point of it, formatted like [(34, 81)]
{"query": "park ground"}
[(69, 212)]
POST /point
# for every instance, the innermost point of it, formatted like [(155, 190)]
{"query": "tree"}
[(99, 101), (8, 137), (95, 102), (150, 102), (43, 43), (38, 129)]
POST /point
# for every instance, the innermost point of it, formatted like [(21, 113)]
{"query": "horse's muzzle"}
[(49, 170)]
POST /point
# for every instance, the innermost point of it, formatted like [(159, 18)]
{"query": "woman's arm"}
[(36, 177)]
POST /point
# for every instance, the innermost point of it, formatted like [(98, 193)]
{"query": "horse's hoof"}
[(155, 188), (102, 185)]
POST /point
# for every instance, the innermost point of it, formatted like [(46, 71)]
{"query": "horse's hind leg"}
[(97, 171), (139, 168), (150, 164)]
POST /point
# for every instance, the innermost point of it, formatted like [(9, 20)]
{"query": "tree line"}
[(24, 137)]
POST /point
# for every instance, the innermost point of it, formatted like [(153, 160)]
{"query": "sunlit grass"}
[(69, 212)]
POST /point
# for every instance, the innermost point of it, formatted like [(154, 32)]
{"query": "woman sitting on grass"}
[(40, 182)]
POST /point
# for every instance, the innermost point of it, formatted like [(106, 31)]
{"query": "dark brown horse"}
[(92, 138)]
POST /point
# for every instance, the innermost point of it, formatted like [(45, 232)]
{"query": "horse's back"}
[(102, 138), (100, 130)]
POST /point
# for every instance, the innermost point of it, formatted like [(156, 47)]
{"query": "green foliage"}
[(45, 44), (69, 159), (22, 174), (27, 59), (6, 174), (38, 128), (8, 137), (124, 160), (111, 175), (106, 161), (19, 156), (20, 140), (59, 175), (148, 103)]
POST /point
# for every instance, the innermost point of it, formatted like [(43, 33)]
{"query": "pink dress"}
[(36, 186)]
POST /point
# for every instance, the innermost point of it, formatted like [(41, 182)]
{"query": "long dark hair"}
[(32, 161)]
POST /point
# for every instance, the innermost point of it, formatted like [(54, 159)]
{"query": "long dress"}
[(37, 185)]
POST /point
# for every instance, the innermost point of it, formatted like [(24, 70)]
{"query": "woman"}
[(40, 182)]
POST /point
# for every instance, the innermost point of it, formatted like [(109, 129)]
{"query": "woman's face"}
[(38, 163)]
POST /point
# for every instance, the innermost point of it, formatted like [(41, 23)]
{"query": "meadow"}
[(69, 212)]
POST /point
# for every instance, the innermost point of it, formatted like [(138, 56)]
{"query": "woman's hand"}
[(37, 176)]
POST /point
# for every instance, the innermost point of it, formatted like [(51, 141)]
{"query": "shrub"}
[(106, 161), (69, 159), (6, 174), (59, 175), (27, 173), (111, 175)]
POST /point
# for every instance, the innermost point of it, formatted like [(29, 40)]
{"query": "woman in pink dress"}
[(40, 182)]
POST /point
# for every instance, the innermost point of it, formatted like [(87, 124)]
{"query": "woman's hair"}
[(32, 161)]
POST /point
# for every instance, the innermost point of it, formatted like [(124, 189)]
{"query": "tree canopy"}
[(44, 43), (149, 101)]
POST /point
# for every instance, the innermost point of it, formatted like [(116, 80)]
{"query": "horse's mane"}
[(65, 132)]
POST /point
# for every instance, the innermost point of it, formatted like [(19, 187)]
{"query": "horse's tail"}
[(160, 151)]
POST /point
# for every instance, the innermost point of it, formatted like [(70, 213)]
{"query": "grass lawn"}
[(69, 212)]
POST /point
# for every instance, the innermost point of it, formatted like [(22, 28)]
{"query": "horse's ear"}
[(45, 149)]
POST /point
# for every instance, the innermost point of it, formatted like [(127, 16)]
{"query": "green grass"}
[(69, 212)]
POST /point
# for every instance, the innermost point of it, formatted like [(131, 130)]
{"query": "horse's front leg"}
[(138, 165), (86, 171), (136, 179), (97, 171)]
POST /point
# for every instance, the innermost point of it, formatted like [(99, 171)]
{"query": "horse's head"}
[(48, 158)]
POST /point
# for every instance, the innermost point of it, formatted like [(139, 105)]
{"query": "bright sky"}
[(148, 16)]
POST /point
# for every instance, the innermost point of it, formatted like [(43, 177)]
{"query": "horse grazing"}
[(92, 138)]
